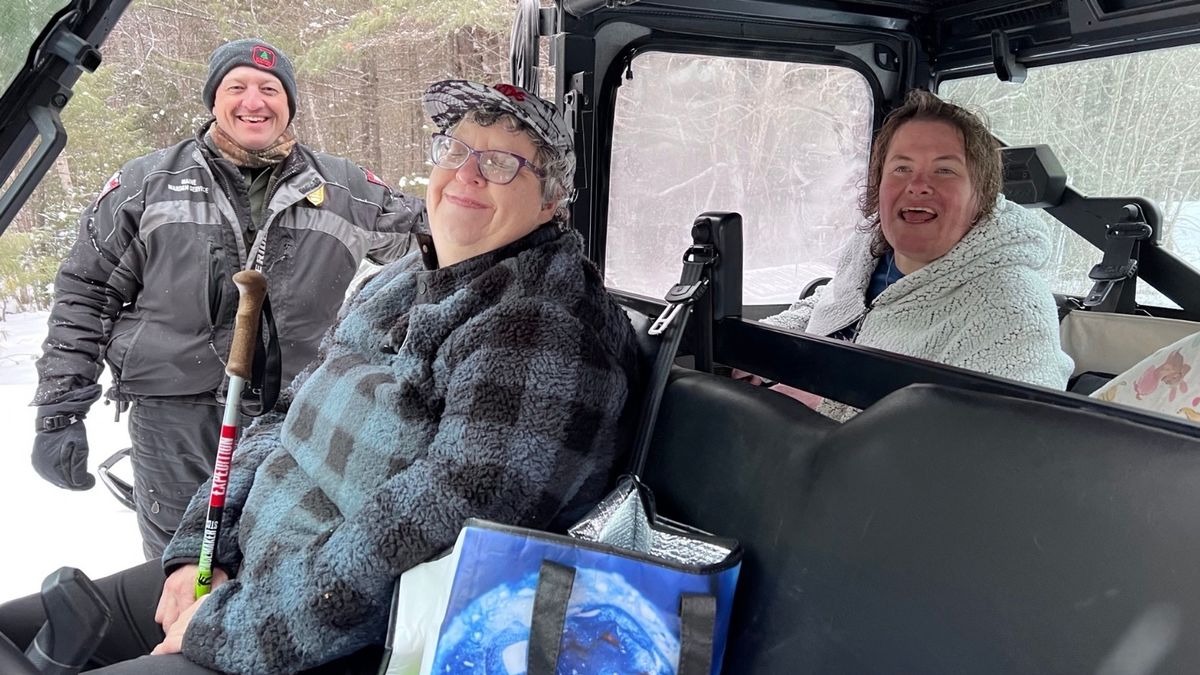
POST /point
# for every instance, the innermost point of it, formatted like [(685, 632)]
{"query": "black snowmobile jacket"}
[(148, 284)]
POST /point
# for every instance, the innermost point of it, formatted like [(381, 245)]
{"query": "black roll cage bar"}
[(30, 109)]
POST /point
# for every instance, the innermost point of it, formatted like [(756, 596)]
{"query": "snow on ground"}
[(45, 528)]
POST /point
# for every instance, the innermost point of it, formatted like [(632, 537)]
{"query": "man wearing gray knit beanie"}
[(255, 54), (148, 286)]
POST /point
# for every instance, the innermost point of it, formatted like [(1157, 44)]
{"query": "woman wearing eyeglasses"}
[(480, 377), (494, 180)]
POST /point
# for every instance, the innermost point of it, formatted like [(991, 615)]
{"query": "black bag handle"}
[(697, 623), (555, 582)]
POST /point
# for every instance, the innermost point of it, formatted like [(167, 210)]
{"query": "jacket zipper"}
[(223, 180), (259, 260)]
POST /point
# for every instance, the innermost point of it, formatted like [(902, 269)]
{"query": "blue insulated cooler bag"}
[(626, 593)]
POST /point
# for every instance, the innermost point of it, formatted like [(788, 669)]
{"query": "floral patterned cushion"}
[(1167, 381)]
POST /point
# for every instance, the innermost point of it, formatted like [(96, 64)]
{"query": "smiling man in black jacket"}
[(148, 289)]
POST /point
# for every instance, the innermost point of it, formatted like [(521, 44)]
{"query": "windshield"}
[(1121, 126), (20, 23)]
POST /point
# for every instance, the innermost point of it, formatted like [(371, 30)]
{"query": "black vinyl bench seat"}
[(940, 531)]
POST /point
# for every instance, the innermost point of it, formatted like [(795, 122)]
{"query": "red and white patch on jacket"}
[(372, 178), (113, 183)]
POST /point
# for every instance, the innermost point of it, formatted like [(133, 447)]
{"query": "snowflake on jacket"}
[(490, 388), (984, 305)]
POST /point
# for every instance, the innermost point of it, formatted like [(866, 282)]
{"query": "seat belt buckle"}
[(1106, 276), (1099, 292), (1113, 272), (680, 296), (704, 254)]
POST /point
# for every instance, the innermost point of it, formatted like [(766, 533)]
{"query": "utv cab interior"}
[(961, 522)]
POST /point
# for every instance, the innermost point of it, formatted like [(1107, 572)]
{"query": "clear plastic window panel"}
[(784, 144)]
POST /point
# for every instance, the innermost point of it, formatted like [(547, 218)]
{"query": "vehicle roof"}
[(956, 36)]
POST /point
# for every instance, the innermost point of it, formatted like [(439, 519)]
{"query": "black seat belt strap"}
[(267, 370), (670, 326)]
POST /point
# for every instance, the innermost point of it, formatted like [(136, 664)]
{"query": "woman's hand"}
[(807, 398), (173, 642), (744, 376), (179, 594)]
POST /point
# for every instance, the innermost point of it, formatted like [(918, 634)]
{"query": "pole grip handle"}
[(252, 290)]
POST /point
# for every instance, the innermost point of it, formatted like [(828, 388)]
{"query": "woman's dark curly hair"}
[(982, 151)]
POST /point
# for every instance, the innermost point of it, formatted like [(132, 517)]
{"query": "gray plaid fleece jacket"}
[(490, 388)]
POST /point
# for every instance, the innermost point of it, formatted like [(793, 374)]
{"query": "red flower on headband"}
[(510, 91)]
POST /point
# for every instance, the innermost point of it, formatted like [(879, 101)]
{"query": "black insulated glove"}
[(60, 456)]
